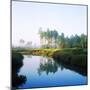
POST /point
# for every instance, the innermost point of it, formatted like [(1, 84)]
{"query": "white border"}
[(5, 44)]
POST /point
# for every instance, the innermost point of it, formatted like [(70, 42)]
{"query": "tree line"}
[(52, 39)]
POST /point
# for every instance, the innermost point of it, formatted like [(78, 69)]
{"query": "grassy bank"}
[(73, 57), (52, 51), (41, 52)]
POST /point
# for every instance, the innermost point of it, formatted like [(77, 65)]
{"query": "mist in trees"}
[(52, 39)]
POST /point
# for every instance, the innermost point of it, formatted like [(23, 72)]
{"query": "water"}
[(45, 72)]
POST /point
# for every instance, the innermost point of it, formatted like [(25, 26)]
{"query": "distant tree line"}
[(52, 39)]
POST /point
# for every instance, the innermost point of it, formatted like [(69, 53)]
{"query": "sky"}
[(28, 17)]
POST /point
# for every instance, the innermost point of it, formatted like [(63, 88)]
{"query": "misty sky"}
[(28, 17)]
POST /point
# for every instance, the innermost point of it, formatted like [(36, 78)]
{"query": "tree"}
[(22, 42), (67, 42), (83, 41), (61, 40), (29, 44), (76, 41), (51, 38), (55, 35), (41, 36)]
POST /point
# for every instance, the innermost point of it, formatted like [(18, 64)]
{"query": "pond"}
[(45, 72)]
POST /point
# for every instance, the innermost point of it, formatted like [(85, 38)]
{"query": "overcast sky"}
[(28, 17)]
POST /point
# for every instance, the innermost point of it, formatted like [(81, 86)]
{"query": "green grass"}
[(51, 51)]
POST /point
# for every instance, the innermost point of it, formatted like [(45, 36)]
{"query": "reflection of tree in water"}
[(51, 66), (17, 63), (80, 70)]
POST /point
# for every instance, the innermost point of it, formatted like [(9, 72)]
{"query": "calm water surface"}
[(44, 72)]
